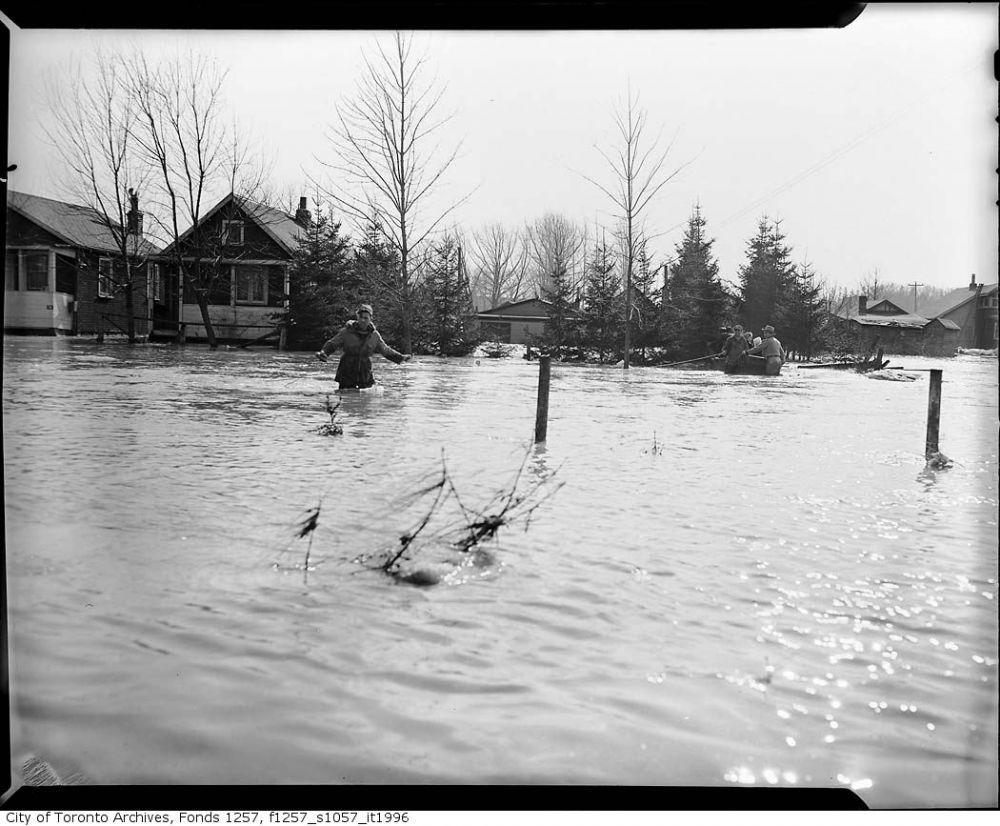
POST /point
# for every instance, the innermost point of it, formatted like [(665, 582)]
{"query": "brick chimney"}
[(133, 218), (972, 284), (862, 304), (303, 217)]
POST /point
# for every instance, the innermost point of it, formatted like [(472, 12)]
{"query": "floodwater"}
[(727, 580)]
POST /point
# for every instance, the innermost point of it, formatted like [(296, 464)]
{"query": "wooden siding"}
[(257, 244), (514, 329), (965, 317), (70, 304), (932, 340), (96, 314), (37, 312)]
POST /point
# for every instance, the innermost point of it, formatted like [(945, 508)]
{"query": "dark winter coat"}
[(734, 348), (355, 367)]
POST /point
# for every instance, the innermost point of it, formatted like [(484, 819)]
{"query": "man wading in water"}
[(358, 339), (770, 348)]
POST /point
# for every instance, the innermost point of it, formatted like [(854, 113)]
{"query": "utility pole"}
[(914, 285)]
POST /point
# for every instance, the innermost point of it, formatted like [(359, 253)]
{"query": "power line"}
[(842, 150)]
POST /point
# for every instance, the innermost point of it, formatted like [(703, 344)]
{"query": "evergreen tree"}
[(802, 312), (374, 265), (766, 276), (602, 314), (323, 286), (451, 320), (560, 331), (697, 304), (644, 327)]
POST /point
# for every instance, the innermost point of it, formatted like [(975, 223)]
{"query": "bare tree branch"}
[(92, 130), (637, 170), (499, 258), (386, 165)]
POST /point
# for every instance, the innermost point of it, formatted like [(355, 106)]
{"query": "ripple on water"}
[(697, 604)]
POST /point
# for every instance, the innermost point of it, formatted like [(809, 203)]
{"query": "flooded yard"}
[(741, 580)]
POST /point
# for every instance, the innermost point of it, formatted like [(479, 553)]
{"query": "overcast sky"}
[(875, 144)]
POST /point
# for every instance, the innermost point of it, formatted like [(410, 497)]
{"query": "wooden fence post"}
[(933, 414), (542, 408)]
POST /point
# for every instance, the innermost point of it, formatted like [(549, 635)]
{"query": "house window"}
[(65, 275), (157, 281), (232, 232), (495, 331), (105, 280), (10, 272), (36, 271), (251, 285)]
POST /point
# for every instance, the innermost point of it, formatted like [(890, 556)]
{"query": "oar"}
[(689, 361)]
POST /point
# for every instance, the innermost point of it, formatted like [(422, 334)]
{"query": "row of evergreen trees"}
[(672, 318), (330, 277), (684, 317)]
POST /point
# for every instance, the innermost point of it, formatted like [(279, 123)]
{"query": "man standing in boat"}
[(770, 348), (358, 339)]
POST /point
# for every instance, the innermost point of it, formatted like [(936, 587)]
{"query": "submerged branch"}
[(471, 527), (331, 428)]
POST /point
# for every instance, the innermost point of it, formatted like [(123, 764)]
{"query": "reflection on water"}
[(741, 580)]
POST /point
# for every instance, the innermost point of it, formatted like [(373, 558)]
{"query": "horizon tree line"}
[(159, 130)]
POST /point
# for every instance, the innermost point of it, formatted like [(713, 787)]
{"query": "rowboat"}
[(747, 366)]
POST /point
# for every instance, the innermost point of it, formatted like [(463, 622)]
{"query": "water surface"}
[(741, 581)]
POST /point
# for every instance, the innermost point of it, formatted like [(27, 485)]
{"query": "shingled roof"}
[(280, 226), (77, 226), (909, 320), (954, 300)]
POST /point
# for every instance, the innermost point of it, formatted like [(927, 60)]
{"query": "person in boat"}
[(359, 340), (734, 350), (749, 337), (770, 348), (719, 341)]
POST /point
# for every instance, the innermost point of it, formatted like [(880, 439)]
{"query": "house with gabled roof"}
[(62, 269), (888, 326), (973, 309), (244, 251), (514, 322), (517, 322)]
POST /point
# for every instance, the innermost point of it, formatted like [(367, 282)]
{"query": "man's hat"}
[(768, 329), (365, 308)]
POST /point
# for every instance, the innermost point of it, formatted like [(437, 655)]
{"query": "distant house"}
[(973, 309), (887, 325), (246, 250), (517, 322), (62, 270)]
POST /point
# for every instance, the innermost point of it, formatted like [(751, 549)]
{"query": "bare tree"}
[(387, 162), (197, 160), (93, 124), (871, 287), (553, 242), (638, 177), (499, 257), (840, 301)]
